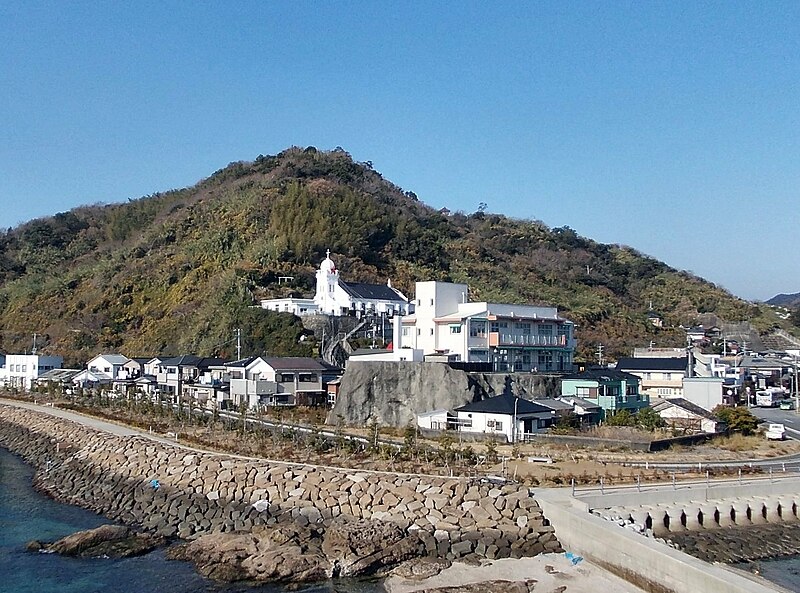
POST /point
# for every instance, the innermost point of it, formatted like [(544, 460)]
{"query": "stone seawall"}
[(175, 491)]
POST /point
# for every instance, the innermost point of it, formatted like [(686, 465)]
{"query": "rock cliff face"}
[(393, 393), (321, 521)]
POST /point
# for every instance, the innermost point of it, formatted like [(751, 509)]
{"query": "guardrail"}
[(603, 488)]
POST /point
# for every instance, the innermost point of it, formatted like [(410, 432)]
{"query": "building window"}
[(431, 331), (498, 325), (586, 391), (477, 329), (24, 368), (546, 329), (524, 328), (286, 377), (405, 331), (455, 329), (419, 332), (308, 378), (631, 390), (648, 376), (563, 330), (494, 424)]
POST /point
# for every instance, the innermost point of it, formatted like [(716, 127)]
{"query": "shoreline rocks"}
[(111, 541), (739, 544), (339, 514)]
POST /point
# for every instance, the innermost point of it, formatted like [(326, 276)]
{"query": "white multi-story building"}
[(23, 369), (509, 337), (334, 296)]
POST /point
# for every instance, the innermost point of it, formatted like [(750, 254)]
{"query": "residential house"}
[(22, 370), (515, 338), (61, 379), (611, 389), (590, 413), (436, 420), (682, 414), (173, 373), (661, 377), (504, 415), (270, 381)]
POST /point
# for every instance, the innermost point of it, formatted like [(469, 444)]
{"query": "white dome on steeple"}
[(327, 264)]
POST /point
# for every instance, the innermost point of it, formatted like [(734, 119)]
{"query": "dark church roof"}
[(504, 404), (381, 292)]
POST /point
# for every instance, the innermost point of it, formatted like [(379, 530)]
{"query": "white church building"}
[(334, 296)]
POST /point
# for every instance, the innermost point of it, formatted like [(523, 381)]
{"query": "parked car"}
[(787, 404), (776, 432)]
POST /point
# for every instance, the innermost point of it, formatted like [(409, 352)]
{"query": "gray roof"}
[(553, 404), (189, 360), (294, 363), (59, 374), (686, 405), (579, 401), (652, 364), (115, 358), (505, 404), (378, 292), (602, 374)]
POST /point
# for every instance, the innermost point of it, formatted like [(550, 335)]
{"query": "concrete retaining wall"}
[(178, 492), (648, 563)]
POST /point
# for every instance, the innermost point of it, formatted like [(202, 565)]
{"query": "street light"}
[(514, 426)]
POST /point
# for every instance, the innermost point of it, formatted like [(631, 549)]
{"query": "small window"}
[(419, 332), (286, 377), (431, 331), (405, 331)]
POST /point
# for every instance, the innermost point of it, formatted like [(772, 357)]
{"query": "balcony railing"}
[(512, 339)]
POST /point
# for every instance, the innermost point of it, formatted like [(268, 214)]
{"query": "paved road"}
[(789, 418)]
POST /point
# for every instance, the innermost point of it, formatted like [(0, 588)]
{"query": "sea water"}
[(27, 515), (781, 571)]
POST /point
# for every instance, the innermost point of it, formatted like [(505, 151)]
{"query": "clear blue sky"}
[(671, 127)]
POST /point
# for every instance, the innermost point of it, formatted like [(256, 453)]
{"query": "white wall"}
[(705, 392), (481, 421)]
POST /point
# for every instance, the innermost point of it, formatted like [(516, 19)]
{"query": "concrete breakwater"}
[(666, 520), (172, 491)]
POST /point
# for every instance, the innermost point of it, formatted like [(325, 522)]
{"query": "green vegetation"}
[(178, 271), (738, 419)]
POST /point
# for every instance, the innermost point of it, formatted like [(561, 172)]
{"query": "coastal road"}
[(789, 418)]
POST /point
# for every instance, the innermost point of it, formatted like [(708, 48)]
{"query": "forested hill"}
[(177, 272)]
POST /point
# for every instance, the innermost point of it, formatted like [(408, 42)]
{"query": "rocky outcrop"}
[(300, 554), (280, 554), (111, 541), (393, 393), (357, 521)]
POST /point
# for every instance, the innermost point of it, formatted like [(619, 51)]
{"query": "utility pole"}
[(600, 354), (238, 344), (33, 350), (796, 385)]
